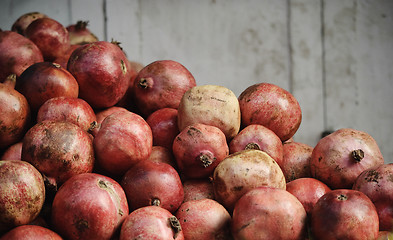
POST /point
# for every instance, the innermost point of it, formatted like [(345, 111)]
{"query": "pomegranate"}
[(162, 154), (151, 222), (258, 137), (296, 160), (340, 157), (377, 184), (74, 110), (198, 149), (102, 114), (161, 84), (89, 206), (268, 213), (196, 189), (31, 232), (211, 105), (385, 235), (307, 191), (163, 124), (123, 139), (344, 214), (128, 100), (271, 106), (204, 219), (151, 183), (15, 113), (243, 171), (13, 152), (80, 34), (63, 59), (22, 194), (17, 54), (24, 21), (101, 71), (59, 150), (44, 80), (50, 36)]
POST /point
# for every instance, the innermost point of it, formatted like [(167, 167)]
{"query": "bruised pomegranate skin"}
[(31, 232), (59, 150), (45, 80), (341, 156), (101, 71), (161, 84), (377, 184), (17, 54), (344, 214), (271, 106), (296, 160), (258, 137), (151, 183), (13, 152), (22, 193), (151, 222), (196, 189), (163, 124), (198, 149), (204, 219), (24, 21), (89, 206), (123, 139), (74, 110), (268, 213), (50, 36)]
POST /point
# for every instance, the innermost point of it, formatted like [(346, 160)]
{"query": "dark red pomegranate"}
[(13, 152), (162, 154), (101, 71), (63, 59), (377, 184), (50, 36), (341, 156), (17, 54), (74, 110), (45, 80), (80, 34), (296, 160), (163, 124), (22, 193), (15, 113), (151, 183), (24, 21), (344, 214), (31, 232), (271, 106), (161, 84), (196, 189), (89, 206)]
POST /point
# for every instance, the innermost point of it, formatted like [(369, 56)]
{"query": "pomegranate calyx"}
[(155, 202), (175, 225), (145, 83), (81, 25), (10, 80), (357, 155), (252, 145), (342, 197)]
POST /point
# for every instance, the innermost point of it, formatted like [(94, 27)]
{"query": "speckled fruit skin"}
[(123, 139), (74, 110), (204, 219), (296, 160), (59, 150), (153, 223), (22, 193), (89, 206), (45, 80), (268, 213), (31, 232), (377, 184), (101, 71), (150, 183), (242, 171), (198, 149), (258, 137), (341, 156), (161, 84), (271, 106), (211, 105), (196, 189), (344, 214)]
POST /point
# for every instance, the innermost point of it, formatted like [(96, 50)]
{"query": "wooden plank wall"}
[(335, 56)]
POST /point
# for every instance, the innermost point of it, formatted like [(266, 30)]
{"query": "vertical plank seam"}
[(105, 13), (323, 67), (290, 53)]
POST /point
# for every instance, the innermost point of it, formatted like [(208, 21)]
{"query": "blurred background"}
[(335, 57)]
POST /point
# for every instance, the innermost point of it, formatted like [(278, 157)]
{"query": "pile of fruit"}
[(94, 145)]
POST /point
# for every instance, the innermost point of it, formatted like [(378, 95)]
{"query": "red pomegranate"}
[(341, 156), (63, 59), (89, 206), (15, 113), (162, 154), (24, 21), (344, 214), (101, 71), (31, 232), (17, 54), (196, 189), (80, 34), (13, 152), (296, 160), (271, 106), (161, 84)]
